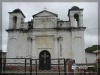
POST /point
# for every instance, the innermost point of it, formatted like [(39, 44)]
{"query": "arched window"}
[(76, 20), (14, 21)]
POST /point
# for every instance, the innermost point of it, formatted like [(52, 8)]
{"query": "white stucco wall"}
[(43, 36), (90, 57), (78, 51)]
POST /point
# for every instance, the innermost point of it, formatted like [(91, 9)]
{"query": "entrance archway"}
[(44, 60)]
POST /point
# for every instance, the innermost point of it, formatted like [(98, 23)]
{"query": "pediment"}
[(45, 13)]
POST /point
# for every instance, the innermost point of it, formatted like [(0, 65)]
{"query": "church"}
[(45, 36)]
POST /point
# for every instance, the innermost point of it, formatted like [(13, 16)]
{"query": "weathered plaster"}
[(44, 36)]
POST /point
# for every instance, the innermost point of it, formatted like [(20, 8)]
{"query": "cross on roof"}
[(45, 8)]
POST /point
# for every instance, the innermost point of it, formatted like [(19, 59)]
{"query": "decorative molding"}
[(29, 38), (33, 37), (22, 29), (60, 38), (45, 48), (78, 37), (55, 37), (42, 29), (13, 38)]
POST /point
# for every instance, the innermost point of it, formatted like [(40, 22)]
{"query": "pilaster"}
[(33, 47), (56, 50)]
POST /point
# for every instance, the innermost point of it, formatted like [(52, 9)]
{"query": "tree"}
[(92, 48)]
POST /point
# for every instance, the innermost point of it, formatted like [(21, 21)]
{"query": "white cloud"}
[(91, 40)]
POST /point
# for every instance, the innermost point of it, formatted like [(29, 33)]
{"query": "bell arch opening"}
[(76, 20), (14, 22)]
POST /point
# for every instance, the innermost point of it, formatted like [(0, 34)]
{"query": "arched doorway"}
[(44, 60)]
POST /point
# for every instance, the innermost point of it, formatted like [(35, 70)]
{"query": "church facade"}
[(46, 36)]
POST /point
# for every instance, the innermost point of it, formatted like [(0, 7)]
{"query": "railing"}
[(28, 66)]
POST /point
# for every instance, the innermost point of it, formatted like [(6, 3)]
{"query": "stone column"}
[(33, 47), (60, 39), (72, 21), (29, 47), (56, 50), (80, 20)]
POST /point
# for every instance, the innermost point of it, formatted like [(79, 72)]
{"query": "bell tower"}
[(76, 16), (77, 34), (16, 18)]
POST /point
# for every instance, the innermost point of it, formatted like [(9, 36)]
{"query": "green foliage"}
[(92, 48)]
